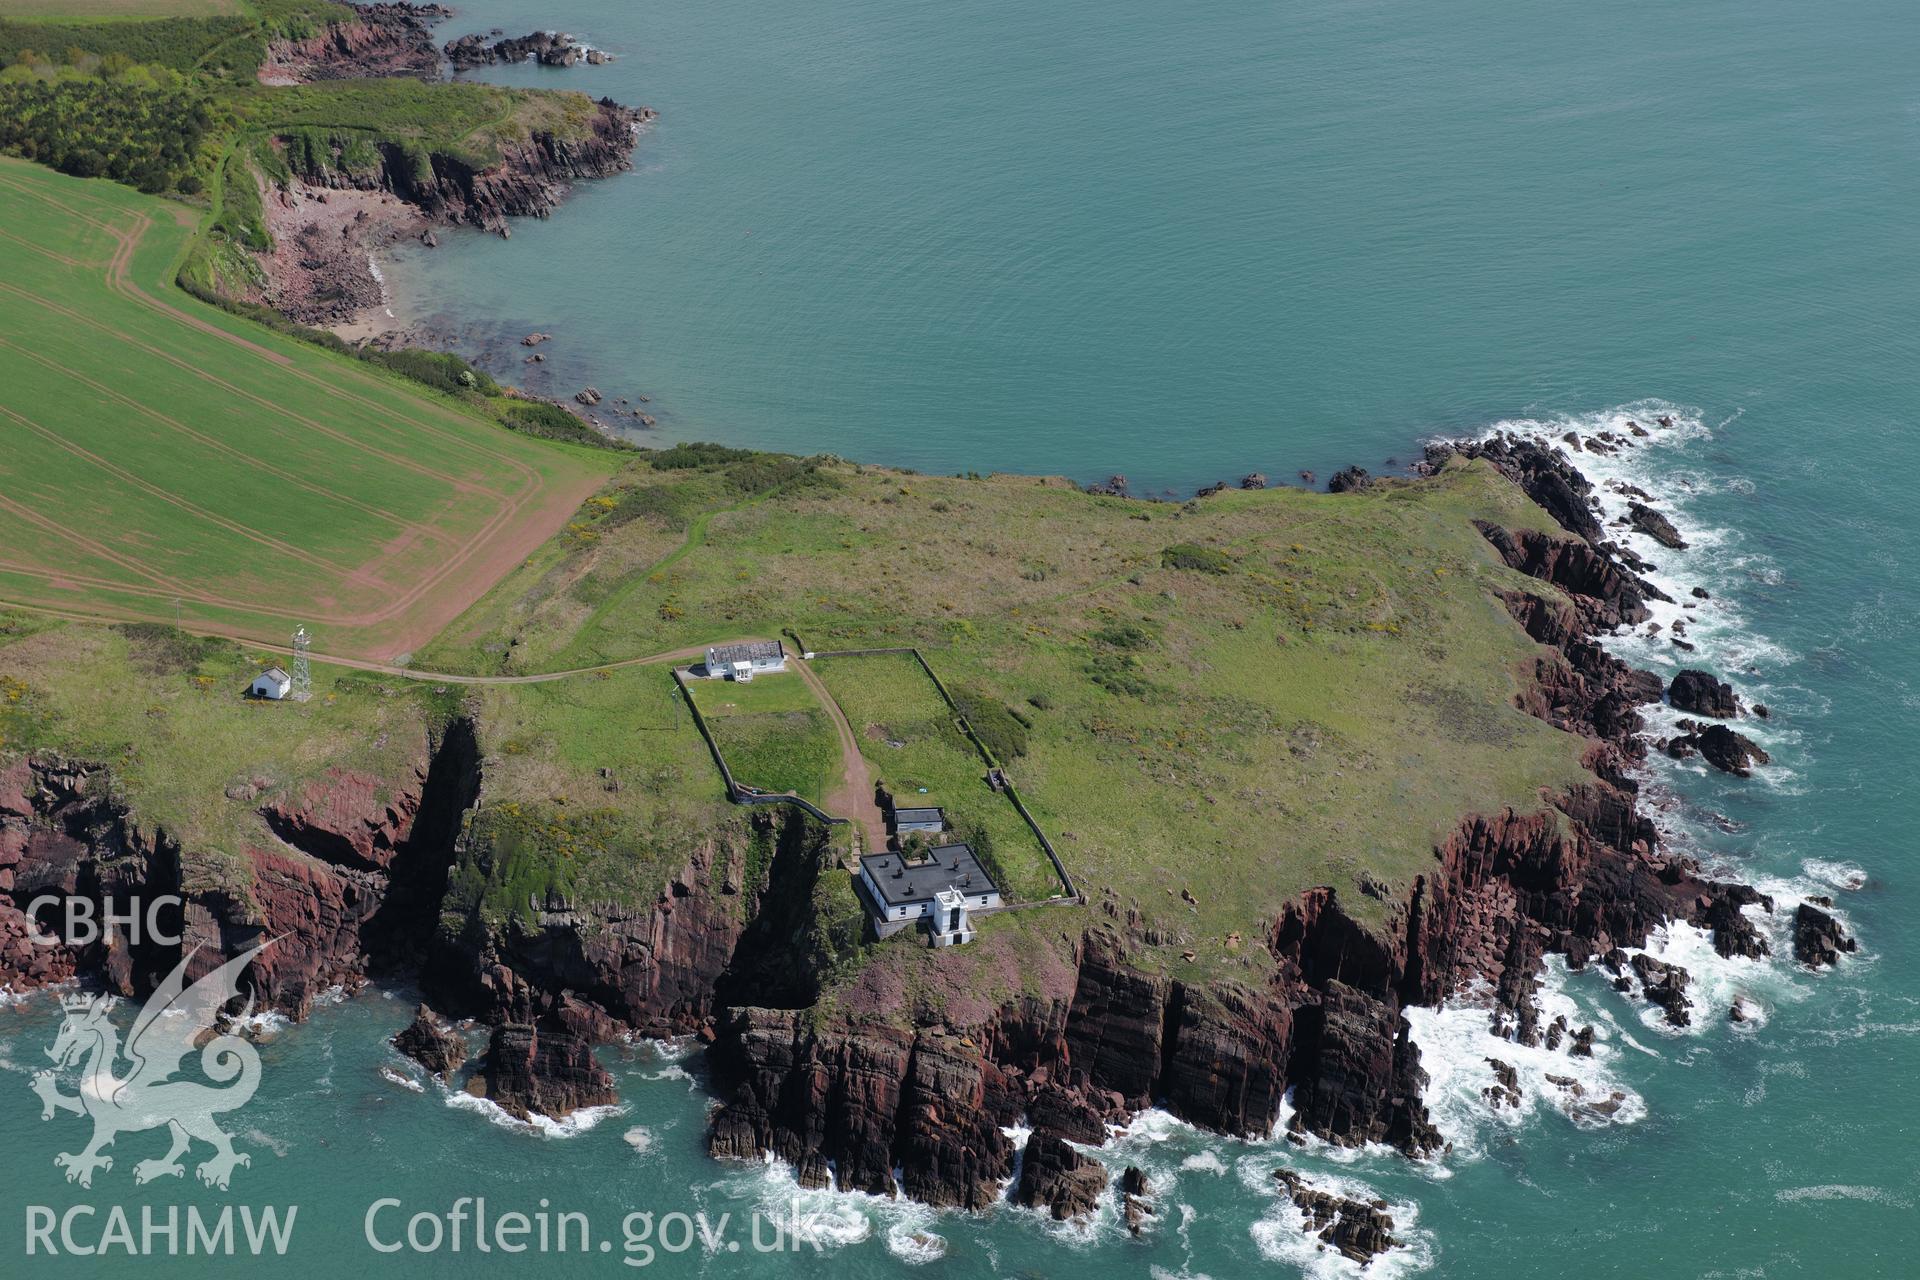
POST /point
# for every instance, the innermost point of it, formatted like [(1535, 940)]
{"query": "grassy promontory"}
[(1316, 700)]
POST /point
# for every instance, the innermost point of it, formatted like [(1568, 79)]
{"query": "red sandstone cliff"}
[(379, 40)]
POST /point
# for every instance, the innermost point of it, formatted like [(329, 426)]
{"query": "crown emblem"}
[(79, 1003)]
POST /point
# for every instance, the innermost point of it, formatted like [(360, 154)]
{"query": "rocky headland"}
[(911, 1076), (344, 201)]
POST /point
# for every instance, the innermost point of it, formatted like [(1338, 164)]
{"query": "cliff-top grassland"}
[(1209, 707)]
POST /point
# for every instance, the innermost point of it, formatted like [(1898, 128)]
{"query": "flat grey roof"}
[(901, 881), (918, 815), (754, 651)]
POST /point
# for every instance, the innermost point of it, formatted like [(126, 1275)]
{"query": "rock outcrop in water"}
[(548, 48), (1818, 939), (1655, 526), (1348, 480), (1719, 746), (1702, 694), (1057, 1178), (547, 1071), (1357, 1229), (432, 1045)]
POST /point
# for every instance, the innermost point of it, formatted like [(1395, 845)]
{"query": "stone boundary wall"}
[(1071, 892)]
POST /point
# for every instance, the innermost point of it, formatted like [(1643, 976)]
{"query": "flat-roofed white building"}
[(941, 890)]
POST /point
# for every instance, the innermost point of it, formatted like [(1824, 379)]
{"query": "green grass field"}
[(107, 10), (189, 753), (909, 735), (773, 733), (164, 460)]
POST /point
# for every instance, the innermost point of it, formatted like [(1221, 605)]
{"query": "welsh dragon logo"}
[(169, 1026)]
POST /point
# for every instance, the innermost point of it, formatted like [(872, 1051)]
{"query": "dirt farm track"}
[(161, 460)]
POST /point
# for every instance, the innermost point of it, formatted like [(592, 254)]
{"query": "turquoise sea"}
[(1185, 242)]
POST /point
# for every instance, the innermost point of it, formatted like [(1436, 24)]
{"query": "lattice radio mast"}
[(302, 668)]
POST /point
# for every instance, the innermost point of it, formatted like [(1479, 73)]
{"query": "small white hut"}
[(272, 684)]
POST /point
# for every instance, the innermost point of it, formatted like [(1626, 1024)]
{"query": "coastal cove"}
[(1666, 296), (1184, 247)]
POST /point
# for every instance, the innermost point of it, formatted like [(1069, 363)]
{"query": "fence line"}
[(735, 792), (1059, 868)]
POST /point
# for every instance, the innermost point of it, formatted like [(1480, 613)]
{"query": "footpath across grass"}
[(918, 752)]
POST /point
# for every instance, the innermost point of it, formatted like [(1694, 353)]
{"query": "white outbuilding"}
[(272, 684), (744, 661)]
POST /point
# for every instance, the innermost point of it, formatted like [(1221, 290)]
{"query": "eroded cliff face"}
[(390, 39), (339, 883), (350, 877), (600, 968), (530, 179)]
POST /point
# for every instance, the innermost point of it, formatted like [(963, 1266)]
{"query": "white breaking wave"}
[(833, 1218), (1716, 982), (264, 1025), (402, 1079), (571, 1126), (1458, 1049), (915, 1245), (1841, 1191), (1204, 1162), (673, 1071)]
